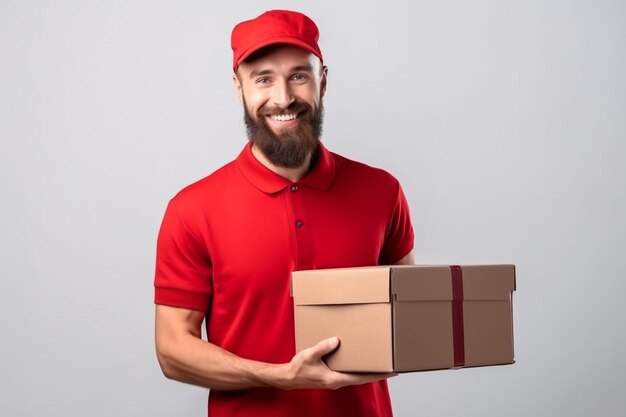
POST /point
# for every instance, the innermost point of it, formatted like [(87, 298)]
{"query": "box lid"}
[(341, 286), (377, 284), (433, 282)]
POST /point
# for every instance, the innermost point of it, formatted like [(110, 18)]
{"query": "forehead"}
[(277, 57)]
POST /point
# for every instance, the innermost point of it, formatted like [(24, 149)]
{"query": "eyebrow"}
[(257, 73)]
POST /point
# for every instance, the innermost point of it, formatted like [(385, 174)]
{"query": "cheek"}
[(254, 100), (313, 95)]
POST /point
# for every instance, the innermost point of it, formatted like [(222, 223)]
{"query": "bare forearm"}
[(185, 357), (195, 361), (409, 259)]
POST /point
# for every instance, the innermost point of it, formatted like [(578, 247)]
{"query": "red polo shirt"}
[(229, 242)]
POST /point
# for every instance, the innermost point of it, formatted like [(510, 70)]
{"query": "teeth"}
[(284, 117)]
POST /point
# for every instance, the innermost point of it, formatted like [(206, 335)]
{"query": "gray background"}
[(505, 122)]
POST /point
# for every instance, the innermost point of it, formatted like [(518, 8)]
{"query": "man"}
[(229, 242)]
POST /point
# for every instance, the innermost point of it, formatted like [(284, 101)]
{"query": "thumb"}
[(325, 346)]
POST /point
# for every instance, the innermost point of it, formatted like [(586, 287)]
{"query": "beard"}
[(292, 145)]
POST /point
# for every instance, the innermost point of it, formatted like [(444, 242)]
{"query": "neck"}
[(291, 174)]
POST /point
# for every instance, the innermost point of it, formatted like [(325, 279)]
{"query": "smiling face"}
[(281, 88)]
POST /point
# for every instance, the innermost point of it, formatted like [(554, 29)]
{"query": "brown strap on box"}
[(458, 334)]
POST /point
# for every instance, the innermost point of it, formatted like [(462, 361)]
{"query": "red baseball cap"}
[(275, 26)]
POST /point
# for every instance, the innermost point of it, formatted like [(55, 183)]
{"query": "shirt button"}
[(294, 188), (299, 224)]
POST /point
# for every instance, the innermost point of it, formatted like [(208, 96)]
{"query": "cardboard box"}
[(407, 318)]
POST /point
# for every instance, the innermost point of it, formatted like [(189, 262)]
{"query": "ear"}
[(238, 88), (323, 81)]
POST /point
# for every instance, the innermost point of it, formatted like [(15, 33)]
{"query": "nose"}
[(282, 96)]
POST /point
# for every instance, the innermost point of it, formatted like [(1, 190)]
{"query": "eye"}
[(262, 81), (299, 77)]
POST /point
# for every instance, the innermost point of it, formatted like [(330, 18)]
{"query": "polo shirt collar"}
[(320, 177)]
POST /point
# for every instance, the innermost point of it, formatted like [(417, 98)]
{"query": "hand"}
[(308, 370)]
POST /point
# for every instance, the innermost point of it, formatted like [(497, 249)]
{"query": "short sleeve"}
[(399, 238), (183, 275)]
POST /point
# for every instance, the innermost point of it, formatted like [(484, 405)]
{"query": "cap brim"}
[(275, 41)]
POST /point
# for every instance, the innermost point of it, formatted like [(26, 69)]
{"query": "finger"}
[(325, 346), (357, 379)]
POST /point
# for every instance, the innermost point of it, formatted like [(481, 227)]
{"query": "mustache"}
[(295, 107)]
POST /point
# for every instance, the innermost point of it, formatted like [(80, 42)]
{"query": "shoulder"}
[(356, 171), (207, 189)]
